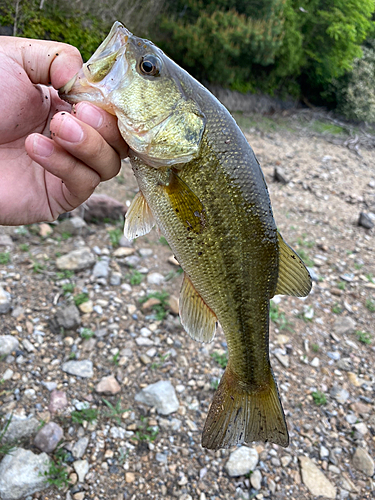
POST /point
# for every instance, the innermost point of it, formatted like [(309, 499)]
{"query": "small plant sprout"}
[(319, 398)]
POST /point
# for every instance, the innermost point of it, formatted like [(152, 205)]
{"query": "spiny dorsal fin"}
[(139, 219), (294, 278), (196, 317)]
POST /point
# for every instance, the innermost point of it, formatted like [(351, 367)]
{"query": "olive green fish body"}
[(201, 183)]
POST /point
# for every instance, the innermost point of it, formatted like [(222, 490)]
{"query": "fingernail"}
[(42, 146), (90, 115), (70, 130)]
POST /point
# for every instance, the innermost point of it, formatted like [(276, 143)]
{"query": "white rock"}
[(20, 427), (79, 447), (81, 467), (79, 259), (155, 279), (256, 479), (82, 368), (314, 479), (242, 461), (161, 395), (8, 344), (363, 462), (22, 474), (5, 301), (7, 375)]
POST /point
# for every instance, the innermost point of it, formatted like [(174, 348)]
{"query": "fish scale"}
[(201, 183)]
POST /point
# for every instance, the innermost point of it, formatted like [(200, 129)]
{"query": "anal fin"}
[(294, 279), (138, 219), (240, 415), (196, 317)]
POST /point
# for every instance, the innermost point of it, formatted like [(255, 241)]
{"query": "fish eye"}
[(150, 65)]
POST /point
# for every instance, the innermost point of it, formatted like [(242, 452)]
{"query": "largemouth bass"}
[(201, 183)]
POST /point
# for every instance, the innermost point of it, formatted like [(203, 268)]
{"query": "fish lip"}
[(65, 89)]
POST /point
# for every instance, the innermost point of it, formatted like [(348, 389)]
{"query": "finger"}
[(86, 144), (44, 61), (104, 123), (79, 180)]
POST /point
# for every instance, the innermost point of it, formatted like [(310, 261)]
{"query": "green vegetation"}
[(115, 236), (161, 308), (315, 347), (80, 298), (68, 288), (370, 304), (305, 257), (163, 241), (279, 317), (319, 398), (57, 474), (146, 432), (87, 333), (37, 267), (364, 337), (221, 359), (62, 275), (115, 411), (341, 285), (4, 258), (84, 415), (158, 364), (115, 358), (135, 278), (337, 309), (5, 448)]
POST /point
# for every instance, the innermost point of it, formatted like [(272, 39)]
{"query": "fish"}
[(202, 185)]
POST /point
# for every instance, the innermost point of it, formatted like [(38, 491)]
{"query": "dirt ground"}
[(325, 371)]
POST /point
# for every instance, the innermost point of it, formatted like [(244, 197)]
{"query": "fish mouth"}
[(85, 86)]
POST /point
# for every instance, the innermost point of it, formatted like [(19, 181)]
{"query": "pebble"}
[(256, 479), (58, 401), (101, 206), (22, 474), (8, 344), (155, 279), (161, 395), (81, 467), (20, 427), (363, 462), (282, 358), (314, 479), (242, 461), (7, 375), (101, 268), (6, 241), (115, 279), (344, 325), (77, 260), (82, 368), (28, 345), (48, 437), (129, 477), (5, 301), (279, 175), (86, 307), (108, 385), (341, 395), (123, 252), (144, 341), (79, 448), (315, 362), (365, 221), (72, 225), (66, 317), (45, 230)]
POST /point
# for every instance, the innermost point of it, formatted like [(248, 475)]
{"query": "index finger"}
[(50, 63)]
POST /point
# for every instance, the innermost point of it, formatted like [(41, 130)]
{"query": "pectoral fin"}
[(139, 219), (294, 278), (196, 317), (186, 205)]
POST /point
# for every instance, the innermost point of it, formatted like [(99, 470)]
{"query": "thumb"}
[(44, 61)]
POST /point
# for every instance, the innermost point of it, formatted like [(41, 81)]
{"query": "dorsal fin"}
[(294, 278), (138, 219), (196, 317)]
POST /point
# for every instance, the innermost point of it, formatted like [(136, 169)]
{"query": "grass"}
[(87, 333), (57, 474), (163, 241), (358, 266), (37, 267), (337, 309), (364, 337), (279, 317), (66, 235), (215, 384), (326, 128), (305, 257), (4, 258), (370, 304), (302, 242), (135, 278), (64, 275), (319, 398), (24, 247), (370, 277), (315, 347), (159, 364), (341, 285), (146, 432), (161, 309), (115, 358), (6, 448), (68, 288), (221, 359), (84, 415), (115, 411), (115, 236), (80, 298)]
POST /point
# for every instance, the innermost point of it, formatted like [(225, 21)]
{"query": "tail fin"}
[(238, 415)]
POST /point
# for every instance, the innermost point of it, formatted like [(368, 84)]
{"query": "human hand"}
[(42, 177)]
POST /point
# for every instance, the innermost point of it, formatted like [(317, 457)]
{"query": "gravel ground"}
[(58, 362)]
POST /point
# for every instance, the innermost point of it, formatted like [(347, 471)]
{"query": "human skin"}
[(51, 157)]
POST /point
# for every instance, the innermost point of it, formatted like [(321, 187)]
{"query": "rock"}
[(48, 437), (5, 301), (315, 362), (242, 461), (28, 345), (86, 307), (81, 467), (150, 303), (101, 268), (123, 252), (363, 462), (100, 206), (115, 279), (279, 175), (108, 385), (145, 252), (129, 477), (155, 279), (72, 225), (345, 364), (161, 395), (79, 447), (314, 479), (45, 230), (360, 429), (6, 241), (173, 305), (50, 386), (58, 401), (82, 368), (20, 427), (67, 318), (22, 474), (7, 375), (77, 260), (8, 344), (365, 221), (341, 395), (282, 358), (256, 479), (343, 325)]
